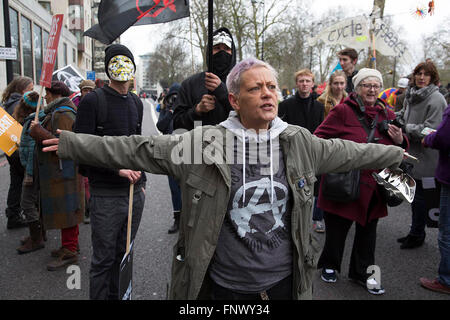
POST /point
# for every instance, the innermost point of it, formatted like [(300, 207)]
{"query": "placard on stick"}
[(51, 50)]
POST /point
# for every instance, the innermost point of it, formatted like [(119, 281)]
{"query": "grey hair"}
[(370, 78), (235, 75)]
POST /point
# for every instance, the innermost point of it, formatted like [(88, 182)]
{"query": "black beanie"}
[(117, 50)]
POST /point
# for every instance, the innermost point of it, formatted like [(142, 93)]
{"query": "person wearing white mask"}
[(109, 188)]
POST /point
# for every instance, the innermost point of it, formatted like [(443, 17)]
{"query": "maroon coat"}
[(343, 123)]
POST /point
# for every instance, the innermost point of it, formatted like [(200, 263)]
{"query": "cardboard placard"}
[(70, 76), (10, 132), (51, 50), (126, 275)]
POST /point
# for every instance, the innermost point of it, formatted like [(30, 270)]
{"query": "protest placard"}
[(70, 76), (10, 132)]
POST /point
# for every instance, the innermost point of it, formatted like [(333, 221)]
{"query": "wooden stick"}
[(36, 116), (130, 214)]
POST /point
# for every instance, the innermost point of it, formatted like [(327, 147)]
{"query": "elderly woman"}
[(334, 93), (247, 191), (423, 108), (351, 120)]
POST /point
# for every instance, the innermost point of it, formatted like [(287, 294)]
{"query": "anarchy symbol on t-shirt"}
[(258, 204)]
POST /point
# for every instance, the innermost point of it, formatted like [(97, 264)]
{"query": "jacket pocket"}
[(200, 187), (201, 193), (180, 273)]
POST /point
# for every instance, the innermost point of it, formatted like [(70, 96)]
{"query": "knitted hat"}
[(59, 87), (117, 49), (86, 84), (29, 101), (366, 73), (403, 83)]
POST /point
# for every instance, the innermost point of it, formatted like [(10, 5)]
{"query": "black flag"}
[(116, 16)]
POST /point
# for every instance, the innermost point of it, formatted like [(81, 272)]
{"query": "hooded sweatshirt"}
[(254, 250), (12, 102), (191, 93)]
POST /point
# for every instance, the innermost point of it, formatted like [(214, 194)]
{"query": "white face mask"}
[(121, 68)]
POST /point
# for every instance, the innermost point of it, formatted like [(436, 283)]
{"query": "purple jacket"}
[(440, 140)]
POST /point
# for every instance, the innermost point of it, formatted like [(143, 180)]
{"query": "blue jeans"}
[(176, 194), (444, 236)]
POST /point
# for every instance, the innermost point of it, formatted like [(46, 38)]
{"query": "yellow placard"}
[(10, 132)]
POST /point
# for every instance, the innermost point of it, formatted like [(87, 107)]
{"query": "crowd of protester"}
[(352, 125)]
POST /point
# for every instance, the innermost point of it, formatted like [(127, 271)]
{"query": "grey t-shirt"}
[(254, 250)]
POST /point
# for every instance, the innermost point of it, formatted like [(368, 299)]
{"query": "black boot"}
[(412, 242), (176, 223), (16, 221)]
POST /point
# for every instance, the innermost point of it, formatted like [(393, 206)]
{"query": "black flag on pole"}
[(116, 16)]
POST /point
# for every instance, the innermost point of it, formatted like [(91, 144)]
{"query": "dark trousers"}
[(280, 291), (16, 173), (419, 211), (109, 218), (176, 194), (317, 212), (363, 251)]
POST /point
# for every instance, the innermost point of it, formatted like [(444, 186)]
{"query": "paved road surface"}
[(25, 276)]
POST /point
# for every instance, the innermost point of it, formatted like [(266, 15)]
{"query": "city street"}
[(26, 276)]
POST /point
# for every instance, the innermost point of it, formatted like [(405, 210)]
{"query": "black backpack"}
[(102, 112)]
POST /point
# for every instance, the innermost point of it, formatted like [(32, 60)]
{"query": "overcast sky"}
[(142, 39)]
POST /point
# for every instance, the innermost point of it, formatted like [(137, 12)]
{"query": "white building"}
[(78, 17), (144, 77), (29, 27)]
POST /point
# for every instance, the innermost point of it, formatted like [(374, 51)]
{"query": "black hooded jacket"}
[(12, 102), (191, 92)]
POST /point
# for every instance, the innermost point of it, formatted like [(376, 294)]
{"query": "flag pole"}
[(210, 33)]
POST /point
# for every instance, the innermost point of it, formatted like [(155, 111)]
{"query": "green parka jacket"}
[(206, 189)]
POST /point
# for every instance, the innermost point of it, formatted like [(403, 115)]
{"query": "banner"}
[(51, 50), (116, 16), (388, 43), (352, 32), (70, 76), (10, 132)]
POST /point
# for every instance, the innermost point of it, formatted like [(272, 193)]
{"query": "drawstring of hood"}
[(275, 128)]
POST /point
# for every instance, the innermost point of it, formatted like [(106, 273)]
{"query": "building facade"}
[(145, 83), (29, 25)]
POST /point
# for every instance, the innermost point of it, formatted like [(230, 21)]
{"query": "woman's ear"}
[(234, 101)]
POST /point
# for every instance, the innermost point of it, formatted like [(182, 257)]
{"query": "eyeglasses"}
[(371, 86)]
